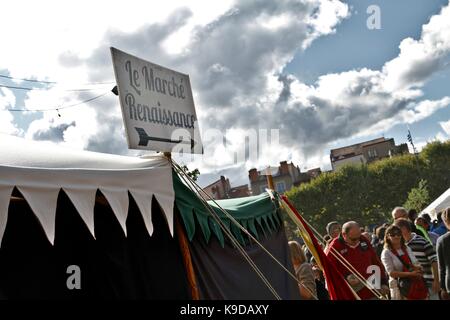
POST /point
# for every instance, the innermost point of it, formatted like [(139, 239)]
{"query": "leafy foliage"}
[(193, 174), (368, 193), (418, 198)]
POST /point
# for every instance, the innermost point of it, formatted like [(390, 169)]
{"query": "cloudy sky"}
[(310, 68)]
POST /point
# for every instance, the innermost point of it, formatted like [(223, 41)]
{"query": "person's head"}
[(393, 238), (424, 220), (367, 235), (380, 232), (351, 232), (426, 217), (405, 226), (297, 255), (333, 229), (399, 212), (439, 217), (412, 214), (446, 217)]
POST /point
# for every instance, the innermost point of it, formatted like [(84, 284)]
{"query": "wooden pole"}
[(185, 252), (187, 259), (269, 179)]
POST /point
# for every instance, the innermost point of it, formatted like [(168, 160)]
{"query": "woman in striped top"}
[(426, 255)]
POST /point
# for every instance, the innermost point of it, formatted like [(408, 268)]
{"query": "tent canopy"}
[(258, 214), (40, 170), (441, 203), (137, 265)]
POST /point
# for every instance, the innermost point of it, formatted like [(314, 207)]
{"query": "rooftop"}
[(356, 149)]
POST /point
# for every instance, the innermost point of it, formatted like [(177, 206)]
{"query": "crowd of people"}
[(406, 259)]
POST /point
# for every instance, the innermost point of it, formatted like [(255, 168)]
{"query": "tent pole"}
[(269, 179), (185, 251), (187, 260)]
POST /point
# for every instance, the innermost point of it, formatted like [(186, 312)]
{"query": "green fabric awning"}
[(256, 214)]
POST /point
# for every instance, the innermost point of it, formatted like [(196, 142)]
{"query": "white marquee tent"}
[(39, 170), (61, 207), (441, 203)]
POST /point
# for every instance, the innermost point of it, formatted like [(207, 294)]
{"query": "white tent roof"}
[(41, 169), (441, 203)]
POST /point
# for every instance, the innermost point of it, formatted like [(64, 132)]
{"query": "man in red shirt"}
[(358, 251)]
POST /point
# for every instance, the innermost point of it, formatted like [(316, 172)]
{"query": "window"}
[(280, 187), (373, 153)]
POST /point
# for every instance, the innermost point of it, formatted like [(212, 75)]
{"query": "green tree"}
[(418, 198), (193, 174), (289, 226), (368, 193), (436, 159)]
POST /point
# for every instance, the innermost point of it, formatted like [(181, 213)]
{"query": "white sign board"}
[(157, 106)]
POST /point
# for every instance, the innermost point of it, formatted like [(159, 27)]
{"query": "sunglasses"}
[(395, 234)]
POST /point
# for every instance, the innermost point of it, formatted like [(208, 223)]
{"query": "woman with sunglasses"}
[(394, 250)]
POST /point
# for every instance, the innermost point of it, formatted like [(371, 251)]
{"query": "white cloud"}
[(420, 144), (445, 135), (419, 59), (412, 113), (328, 15), (367, 102), (442, 137), (48, 28), (235, 59), (54, 44), (7, 101), (445, 126), (71, 126)]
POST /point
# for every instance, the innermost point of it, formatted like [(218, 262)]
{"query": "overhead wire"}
[(49, 82), (28, 80), (57, 108), (103, 94), (46, 89)]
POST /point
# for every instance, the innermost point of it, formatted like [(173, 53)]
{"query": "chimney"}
[(253, 175), (225, 183), (284, 169)]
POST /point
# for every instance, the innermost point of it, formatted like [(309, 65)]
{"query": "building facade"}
[(218, 189), (221, 189), (284, 177), (239, 191), (366, 152)]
